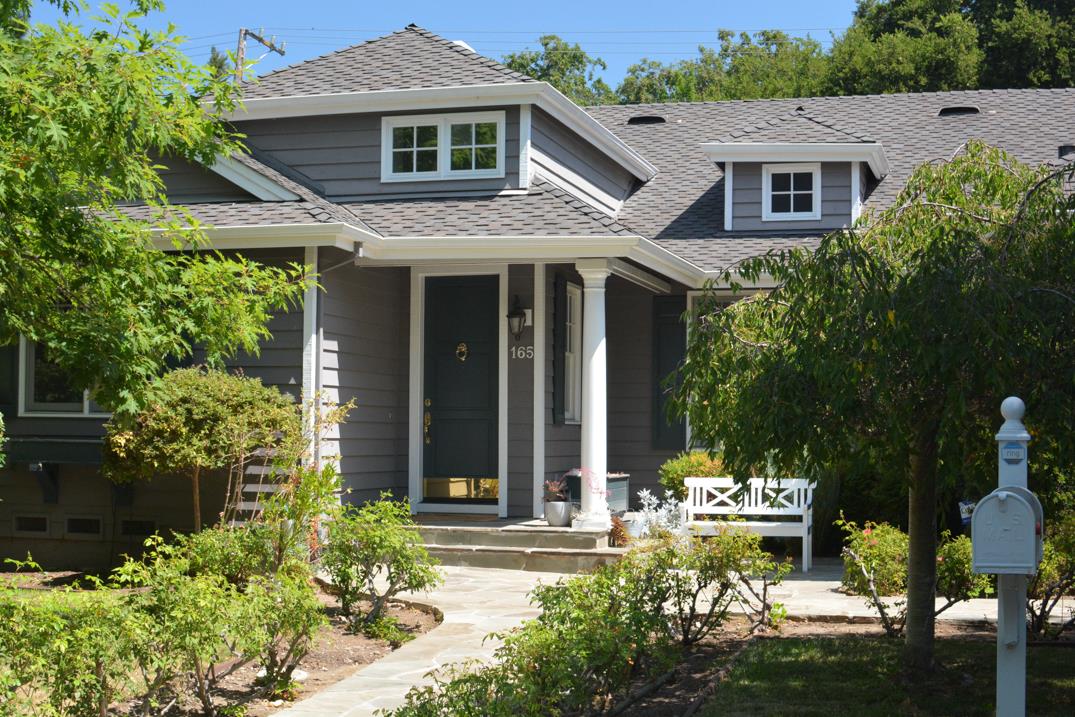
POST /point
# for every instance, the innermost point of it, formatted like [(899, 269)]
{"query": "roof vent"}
[(958, 111), (1065, 150), (646, 119)]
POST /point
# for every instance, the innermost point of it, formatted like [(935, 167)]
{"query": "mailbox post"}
[(1006, 532)]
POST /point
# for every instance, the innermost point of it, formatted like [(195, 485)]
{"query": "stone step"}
[(514, 537), (261, 488), (548, 560)]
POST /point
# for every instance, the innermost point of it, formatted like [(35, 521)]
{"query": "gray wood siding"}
[(520, 402), (629, 327), (186, 182), (365, 319), (563, 442), (747, 199), (343, 153), (567, 158)]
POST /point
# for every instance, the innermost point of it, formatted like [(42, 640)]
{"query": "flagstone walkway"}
[(478, 601)]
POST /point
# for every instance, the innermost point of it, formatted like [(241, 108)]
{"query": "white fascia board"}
[(638, 276), (341, 236), (653, 256), (496, 248), (541, 94), (873, 153), (254, 182)]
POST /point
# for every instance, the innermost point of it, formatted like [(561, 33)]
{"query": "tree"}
[(1026, 44), (770, 63), (906, 46), (566, 67), (888, 349), (200, 420), (219, 64), (83, 114)]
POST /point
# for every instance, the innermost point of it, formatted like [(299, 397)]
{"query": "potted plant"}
[(557, 502)]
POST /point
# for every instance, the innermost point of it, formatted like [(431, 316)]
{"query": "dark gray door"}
[(459, 405)]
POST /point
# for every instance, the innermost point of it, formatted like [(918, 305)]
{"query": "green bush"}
[(878, 548), (955, 579), (598, 632), (375, 552), (1054, 580), (689, 464)]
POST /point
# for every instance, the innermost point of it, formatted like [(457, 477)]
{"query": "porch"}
[(475, 383)]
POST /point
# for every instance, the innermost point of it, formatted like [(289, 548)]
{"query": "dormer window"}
[(450, 146), (791, 192)]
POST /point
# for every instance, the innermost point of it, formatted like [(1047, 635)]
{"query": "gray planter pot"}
[(558, 514)]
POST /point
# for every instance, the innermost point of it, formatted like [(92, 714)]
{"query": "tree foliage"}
[(566, 67), (768, 64), (200, 420), (83, 114), (888, 349)]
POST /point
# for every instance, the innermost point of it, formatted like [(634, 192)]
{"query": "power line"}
[(535, 33)]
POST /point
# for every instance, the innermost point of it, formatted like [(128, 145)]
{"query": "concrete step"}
[(514, 537), (261, 488), (549, 560)]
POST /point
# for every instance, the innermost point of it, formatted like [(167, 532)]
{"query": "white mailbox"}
[(1006, 532)]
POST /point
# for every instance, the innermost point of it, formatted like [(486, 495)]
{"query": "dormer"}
[(795, 173)]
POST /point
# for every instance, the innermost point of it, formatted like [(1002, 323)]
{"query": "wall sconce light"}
[(517, 319)]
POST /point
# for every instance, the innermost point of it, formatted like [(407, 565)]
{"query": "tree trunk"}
[(197, 500), (922, 557)]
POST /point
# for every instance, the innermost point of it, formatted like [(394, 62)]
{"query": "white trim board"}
[(873, 153), (541, 94), (525, 145), (252, 181), (767, 172), (539, 391), (414, 388)]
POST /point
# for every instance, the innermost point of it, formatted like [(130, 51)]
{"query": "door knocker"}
[(461, 351)]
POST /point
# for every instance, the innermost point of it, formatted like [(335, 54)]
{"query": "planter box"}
[(619, 490)]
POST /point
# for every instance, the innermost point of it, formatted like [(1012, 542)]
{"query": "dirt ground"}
[(696, 678)]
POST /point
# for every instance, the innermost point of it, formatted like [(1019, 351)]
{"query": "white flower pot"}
[(558, 514)]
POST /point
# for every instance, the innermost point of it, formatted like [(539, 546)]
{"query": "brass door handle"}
[(427, 419), (461, 351)]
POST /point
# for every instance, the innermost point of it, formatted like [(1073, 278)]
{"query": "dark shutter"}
[(559, 346), (669, 347), (9, 379)]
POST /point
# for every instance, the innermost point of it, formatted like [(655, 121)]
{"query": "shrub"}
[(598, 632), (1055, 580), (875, 566), (234, 553), (689, 464), (200, 420), (376, 552), (657, 519), (281, 616), (877, 552)]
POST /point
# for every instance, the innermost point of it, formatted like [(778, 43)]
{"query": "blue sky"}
[(620, 32)]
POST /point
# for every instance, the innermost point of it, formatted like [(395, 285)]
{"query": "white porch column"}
[(595, 514)]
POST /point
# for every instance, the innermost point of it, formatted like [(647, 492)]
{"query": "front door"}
[(459, 404)]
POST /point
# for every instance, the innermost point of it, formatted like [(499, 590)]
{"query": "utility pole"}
[(240, 51)]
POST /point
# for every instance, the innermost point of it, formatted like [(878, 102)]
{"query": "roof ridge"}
[(610, 222), (258, 78), (467, 51)]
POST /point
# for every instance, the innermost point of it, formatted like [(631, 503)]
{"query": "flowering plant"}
[(556, 490)]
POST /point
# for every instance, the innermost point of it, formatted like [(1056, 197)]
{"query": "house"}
[(504, 272)]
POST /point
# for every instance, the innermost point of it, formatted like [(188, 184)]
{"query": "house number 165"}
[(522, 352)]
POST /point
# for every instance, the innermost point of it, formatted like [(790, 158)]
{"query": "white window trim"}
[(767, 172), (84, 536), (31, 533), (573, 403), (25, 393), (443, 122)]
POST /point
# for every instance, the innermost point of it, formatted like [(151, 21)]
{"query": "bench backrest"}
[(724, 496)]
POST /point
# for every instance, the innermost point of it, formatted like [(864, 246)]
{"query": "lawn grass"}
[(838, 677)]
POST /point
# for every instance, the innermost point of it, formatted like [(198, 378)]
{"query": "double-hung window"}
[(573, 355), (791, 192), (451, 146), (46, 388)]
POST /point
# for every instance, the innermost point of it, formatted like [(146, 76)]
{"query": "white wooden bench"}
[(792, 497)]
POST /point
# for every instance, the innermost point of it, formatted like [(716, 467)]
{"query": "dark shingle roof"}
[(795, 127), (408, 59), (246, 214), (682, 208), (543, 211)]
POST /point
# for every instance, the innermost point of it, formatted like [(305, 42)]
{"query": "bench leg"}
[(808, 544)]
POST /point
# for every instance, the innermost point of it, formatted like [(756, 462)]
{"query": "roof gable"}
[(411, 58)]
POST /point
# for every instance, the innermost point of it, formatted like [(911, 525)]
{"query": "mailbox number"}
[(522, 352)]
